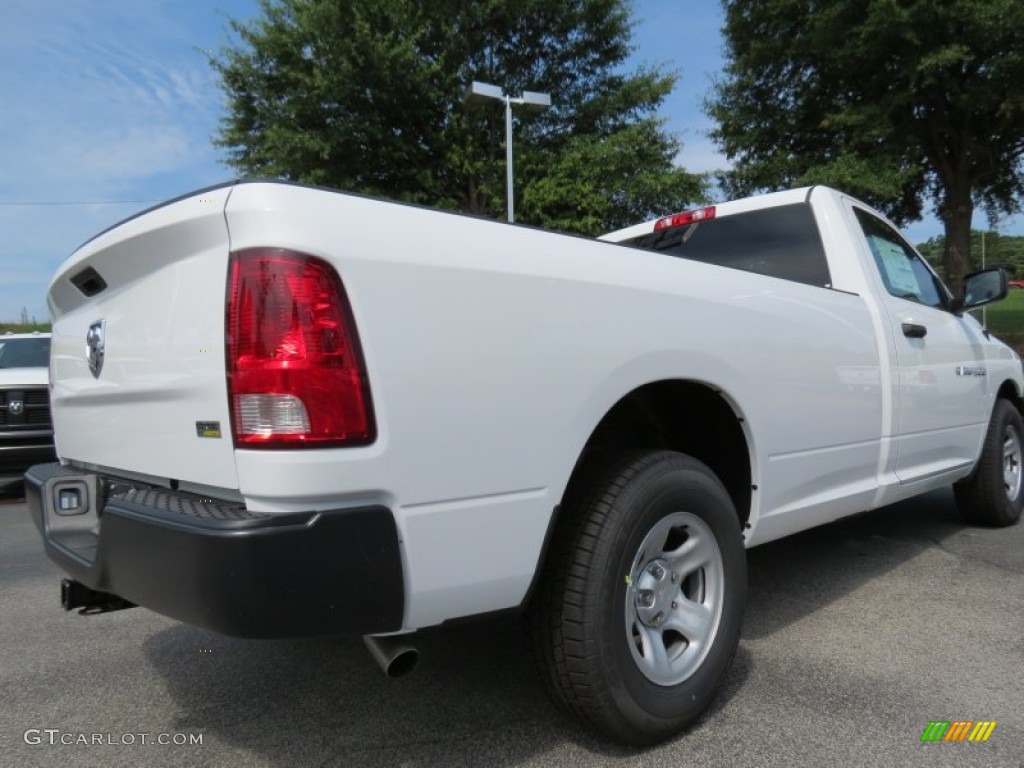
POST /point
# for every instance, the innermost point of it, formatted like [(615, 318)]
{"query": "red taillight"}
[(296, 376), (688, 217)]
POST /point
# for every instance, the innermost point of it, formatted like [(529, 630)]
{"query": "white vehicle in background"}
[(285, 411), (26, 433)]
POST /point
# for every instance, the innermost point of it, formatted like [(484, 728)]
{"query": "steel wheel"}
[(674, 598), (992, 494), (601, 646), (1011, 462)]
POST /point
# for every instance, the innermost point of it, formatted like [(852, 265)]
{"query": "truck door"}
[(941, 393)]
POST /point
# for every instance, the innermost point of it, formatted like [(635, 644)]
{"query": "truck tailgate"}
[(137, 365)]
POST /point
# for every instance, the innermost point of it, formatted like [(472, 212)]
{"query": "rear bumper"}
[(217, 565)]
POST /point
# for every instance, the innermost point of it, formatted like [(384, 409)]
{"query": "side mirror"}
[(983, 287)]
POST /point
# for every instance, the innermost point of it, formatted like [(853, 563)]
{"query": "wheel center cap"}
[(657, 589)]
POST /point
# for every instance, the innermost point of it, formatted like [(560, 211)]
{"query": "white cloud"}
[(701, 155), (103, 95), (115, 154), (108, 100)]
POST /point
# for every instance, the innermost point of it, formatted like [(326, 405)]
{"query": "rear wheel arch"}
[(689, 417)]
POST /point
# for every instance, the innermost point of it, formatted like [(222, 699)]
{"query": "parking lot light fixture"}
[(480, 92)]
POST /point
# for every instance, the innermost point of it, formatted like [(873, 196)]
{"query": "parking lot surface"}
[(857, 635)]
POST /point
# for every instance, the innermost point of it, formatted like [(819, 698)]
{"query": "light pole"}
[(984, 313), (478, 92)]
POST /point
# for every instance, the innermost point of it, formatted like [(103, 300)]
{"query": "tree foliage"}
[(368, 95), (991, 248), (899, 102)]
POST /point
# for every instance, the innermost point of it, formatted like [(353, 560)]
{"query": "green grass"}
[(24, 327), (1006, 318)]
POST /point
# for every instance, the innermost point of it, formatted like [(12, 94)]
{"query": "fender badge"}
[(971, 370)]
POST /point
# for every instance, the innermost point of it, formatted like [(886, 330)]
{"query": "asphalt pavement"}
[(857, 635)]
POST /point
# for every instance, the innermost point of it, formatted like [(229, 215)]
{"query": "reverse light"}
[(687, 217), (296, 376), (272, 414)]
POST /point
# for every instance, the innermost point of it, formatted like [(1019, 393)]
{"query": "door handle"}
[(914, 331)]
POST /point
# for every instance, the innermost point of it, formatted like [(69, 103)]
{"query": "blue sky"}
[(114, 100)]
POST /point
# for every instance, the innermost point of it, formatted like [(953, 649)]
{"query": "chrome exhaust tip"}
[(393, 655)]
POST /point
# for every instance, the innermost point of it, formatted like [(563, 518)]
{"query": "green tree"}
[(896, 101), (368, 95), (995, 249)]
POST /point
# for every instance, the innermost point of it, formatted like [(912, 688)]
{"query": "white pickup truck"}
[(26, 436), (283, 411)]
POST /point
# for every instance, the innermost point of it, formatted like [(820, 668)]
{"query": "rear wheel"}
[(638, 616), (993, 494)]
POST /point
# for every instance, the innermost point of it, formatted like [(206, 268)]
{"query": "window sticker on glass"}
[(898, 269)]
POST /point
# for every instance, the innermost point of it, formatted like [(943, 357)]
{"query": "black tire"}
[(584, 616), (993, 495)]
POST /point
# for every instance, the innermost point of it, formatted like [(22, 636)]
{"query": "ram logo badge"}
[(95, 347)]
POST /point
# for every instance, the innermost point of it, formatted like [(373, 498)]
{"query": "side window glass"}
[(903, 272)]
